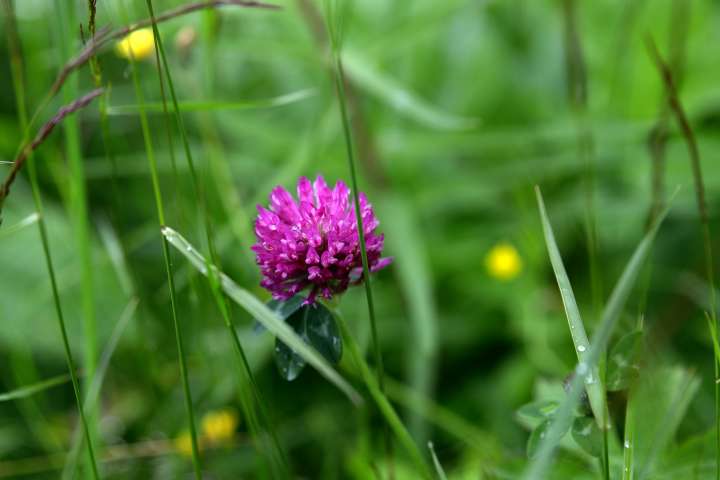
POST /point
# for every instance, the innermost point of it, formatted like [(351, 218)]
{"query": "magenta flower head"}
[(313, 242)]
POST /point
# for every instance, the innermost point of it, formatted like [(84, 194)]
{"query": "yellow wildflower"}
[(219, 426), (140, 44), (503, 262), (183, 444)]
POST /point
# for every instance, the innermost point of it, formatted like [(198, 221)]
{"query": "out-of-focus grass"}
[(465, 106)]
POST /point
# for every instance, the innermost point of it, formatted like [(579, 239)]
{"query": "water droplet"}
[(627, 444), (581, 348), (582, 368)]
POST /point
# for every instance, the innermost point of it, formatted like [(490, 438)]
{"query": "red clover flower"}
[(314, 243)]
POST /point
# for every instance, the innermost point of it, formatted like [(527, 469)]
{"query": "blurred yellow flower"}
[(503, 262), (183, 444), (219, 426), (140, 43)]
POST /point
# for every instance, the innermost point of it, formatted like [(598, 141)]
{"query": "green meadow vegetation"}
[(546, 177)]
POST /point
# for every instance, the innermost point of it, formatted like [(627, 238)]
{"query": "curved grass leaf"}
[(382, 402), (668, 401), (93, 392), (264, 315), (436, 462), (25, 222), (404, 241), (593, 383), (29, 390), (400, 98), (205, 106), (563, 419), (455, 425)]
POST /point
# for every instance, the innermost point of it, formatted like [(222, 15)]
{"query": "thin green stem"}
[(78, 204), (334, 27), (171, 283), (340, 88), (279, 464), (678, 111), (19, 87), (61, 321), (385, 407), (629, 441), (713, 315), (21, 362), (436, 461)]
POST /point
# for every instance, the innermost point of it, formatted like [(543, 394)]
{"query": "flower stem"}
[(385, 407), (340, 88)]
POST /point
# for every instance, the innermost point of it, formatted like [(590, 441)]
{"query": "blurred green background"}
[(459, 107)]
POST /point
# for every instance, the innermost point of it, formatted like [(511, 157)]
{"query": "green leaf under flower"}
[(316, 326)]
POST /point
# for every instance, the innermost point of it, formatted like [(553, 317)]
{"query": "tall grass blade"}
[(264, 315), (436, 462), (29, 390), (279, 463), (385, 407), (334, 25), (560, 423), (19, 87), (628, 471), (78, 205), (217, 106), (678, 111), (182, 362), (411, 265), (93, 393), (595, 388), (445, 419), (399, 97), (25, 222), (684, 387)]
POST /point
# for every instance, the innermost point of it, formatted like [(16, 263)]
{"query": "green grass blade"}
[(537, 468), (383, 404), (114, 249), (404, 243), (182, 362), (279, 463), (19, 87), (445, 419), (397, 96), (29, 390), (264, 315), (93, 392), (629, 440), (334, 26), (712, 327), (436, 462), (214, 105), (25, 222), (595, 388), (685, 385), (78, 203)]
